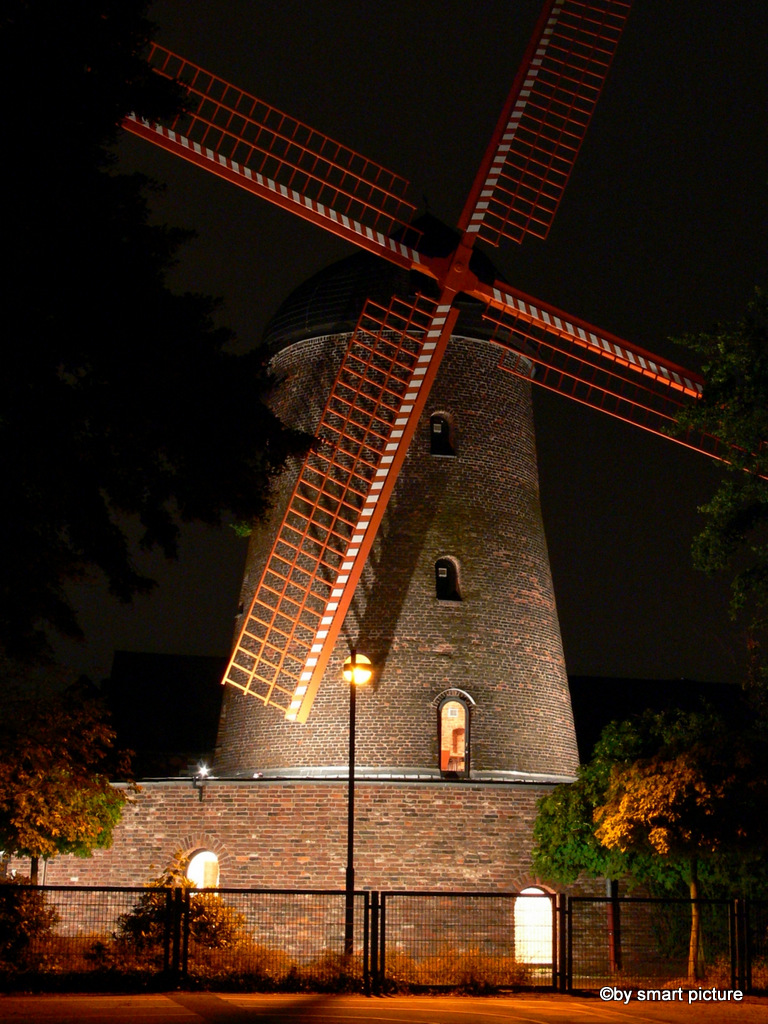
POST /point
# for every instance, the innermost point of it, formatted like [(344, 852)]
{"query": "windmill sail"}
[(529, 160), (595, 368), (254, 145)]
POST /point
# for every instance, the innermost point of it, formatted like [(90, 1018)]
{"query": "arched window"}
[(447, 580), (203, 869), (441, 434), (533, 926), (453, 737)]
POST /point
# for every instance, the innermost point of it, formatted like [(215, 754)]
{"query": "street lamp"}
[(357, 672)]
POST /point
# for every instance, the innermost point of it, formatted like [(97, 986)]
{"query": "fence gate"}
[(465, 940), (644, 943)]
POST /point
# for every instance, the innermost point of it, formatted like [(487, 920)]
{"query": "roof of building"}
[(330, 302)]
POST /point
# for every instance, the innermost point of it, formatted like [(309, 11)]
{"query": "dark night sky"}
[(662, 230)]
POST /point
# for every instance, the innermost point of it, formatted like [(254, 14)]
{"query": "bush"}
[(255, 967), (332, 972), (469, 971), (146, 924), (212, 924), (25, 915)]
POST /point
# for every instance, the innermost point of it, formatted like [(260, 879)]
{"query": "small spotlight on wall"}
[(199, 779)]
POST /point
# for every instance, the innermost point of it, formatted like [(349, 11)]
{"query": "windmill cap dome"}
[(330, 302)]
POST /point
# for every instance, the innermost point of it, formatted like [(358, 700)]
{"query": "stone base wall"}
[(292, 834)]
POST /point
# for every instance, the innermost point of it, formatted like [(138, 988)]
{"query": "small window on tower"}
[(441, 441), (453, 733), (447, 580)]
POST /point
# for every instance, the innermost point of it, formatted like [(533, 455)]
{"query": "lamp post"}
[(357, 672)]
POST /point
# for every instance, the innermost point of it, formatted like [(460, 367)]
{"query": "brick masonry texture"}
[(271, 834), (501, 643)]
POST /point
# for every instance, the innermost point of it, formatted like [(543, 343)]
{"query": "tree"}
[(117, 398), (55, 793), (734, 408), (670, 798), (565, 844), (674, 805)]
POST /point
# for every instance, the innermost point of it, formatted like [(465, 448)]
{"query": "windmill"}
[(571, 357)]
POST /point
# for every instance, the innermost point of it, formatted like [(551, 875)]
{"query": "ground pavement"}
[(210, 1008)]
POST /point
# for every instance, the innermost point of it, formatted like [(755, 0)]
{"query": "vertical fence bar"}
[(734, 921), (366, 943), (383, 940), (614, 925), (375, 973), (743, 933), (167, 931), (560, 947), (176, 916), (568, 959), (185, 906), (554, 902)]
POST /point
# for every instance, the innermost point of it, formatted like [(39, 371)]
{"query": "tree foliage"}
[(565, 845), (659, 792), (669, 800), (117, 396), (55, 794), (734, 408)]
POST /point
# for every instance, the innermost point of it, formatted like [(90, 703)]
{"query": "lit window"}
[(533, 927), (203, 870), (441, 440), (453, 729), (447, 580)]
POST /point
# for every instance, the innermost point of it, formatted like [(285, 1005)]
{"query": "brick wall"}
[(270, 833)]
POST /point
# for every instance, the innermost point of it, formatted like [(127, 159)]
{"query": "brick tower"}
[(456, 607)]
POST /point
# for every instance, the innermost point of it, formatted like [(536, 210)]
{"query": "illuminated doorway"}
[(203, 870), (533, 927)]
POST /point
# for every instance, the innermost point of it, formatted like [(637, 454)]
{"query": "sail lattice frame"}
[(542, 127), (337, 503)]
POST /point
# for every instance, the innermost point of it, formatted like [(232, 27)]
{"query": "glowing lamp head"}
[(357, 670)]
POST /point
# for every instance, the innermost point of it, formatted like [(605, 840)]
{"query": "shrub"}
[(469, 971), (145, 925), (25, 915), (212, 924), (255, 967), (332, 972)]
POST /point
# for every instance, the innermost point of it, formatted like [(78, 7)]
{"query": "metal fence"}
[(294, 939), (466, 940), (279, 937), (274, 938), (639, 942)]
